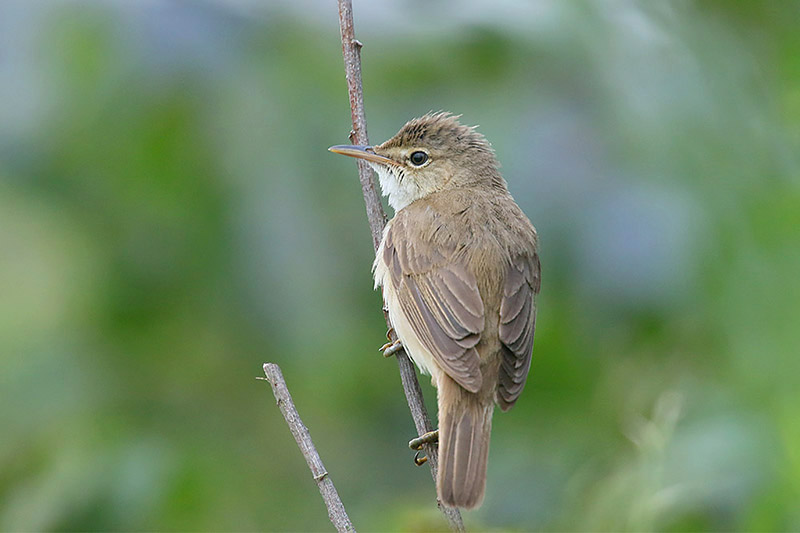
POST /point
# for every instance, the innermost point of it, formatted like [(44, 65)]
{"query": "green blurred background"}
[(170, 219)]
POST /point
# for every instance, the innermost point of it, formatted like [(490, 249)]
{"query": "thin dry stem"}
[(351, 50), (336, 511)]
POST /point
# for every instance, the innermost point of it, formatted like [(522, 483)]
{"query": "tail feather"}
[(463, 453)]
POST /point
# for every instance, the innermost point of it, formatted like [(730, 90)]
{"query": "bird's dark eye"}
[(418, 158)]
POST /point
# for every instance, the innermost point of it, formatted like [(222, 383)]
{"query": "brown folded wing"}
[(517, 326), (441, 301)]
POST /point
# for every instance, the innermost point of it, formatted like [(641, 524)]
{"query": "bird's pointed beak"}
[(361, 152)]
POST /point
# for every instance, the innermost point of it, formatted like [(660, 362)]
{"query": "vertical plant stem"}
[(351, 50)]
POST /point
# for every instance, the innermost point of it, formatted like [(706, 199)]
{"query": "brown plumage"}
[(459, 269)]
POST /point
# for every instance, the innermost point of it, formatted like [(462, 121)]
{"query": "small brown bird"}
[(459, 269)]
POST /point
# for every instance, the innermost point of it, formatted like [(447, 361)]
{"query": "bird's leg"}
[(391, 347), (416, 444)]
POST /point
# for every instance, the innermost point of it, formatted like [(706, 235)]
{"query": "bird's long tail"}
[(464, 429)]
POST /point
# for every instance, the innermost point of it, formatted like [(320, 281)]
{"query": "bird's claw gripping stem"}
[(391, 347), (416, 444), (428, 438)]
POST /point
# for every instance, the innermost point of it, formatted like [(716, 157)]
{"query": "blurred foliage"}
[(171, 219)]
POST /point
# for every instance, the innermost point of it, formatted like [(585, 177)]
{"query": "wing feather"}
[(517, 327), (441, 301)]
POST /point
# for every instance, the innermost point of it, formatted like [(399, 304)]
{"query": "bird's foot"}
[(416, 444), (391, 347), (428, 438)]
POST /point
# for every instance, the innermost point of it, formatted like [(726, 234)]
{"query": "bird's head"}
[(429, 154)]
